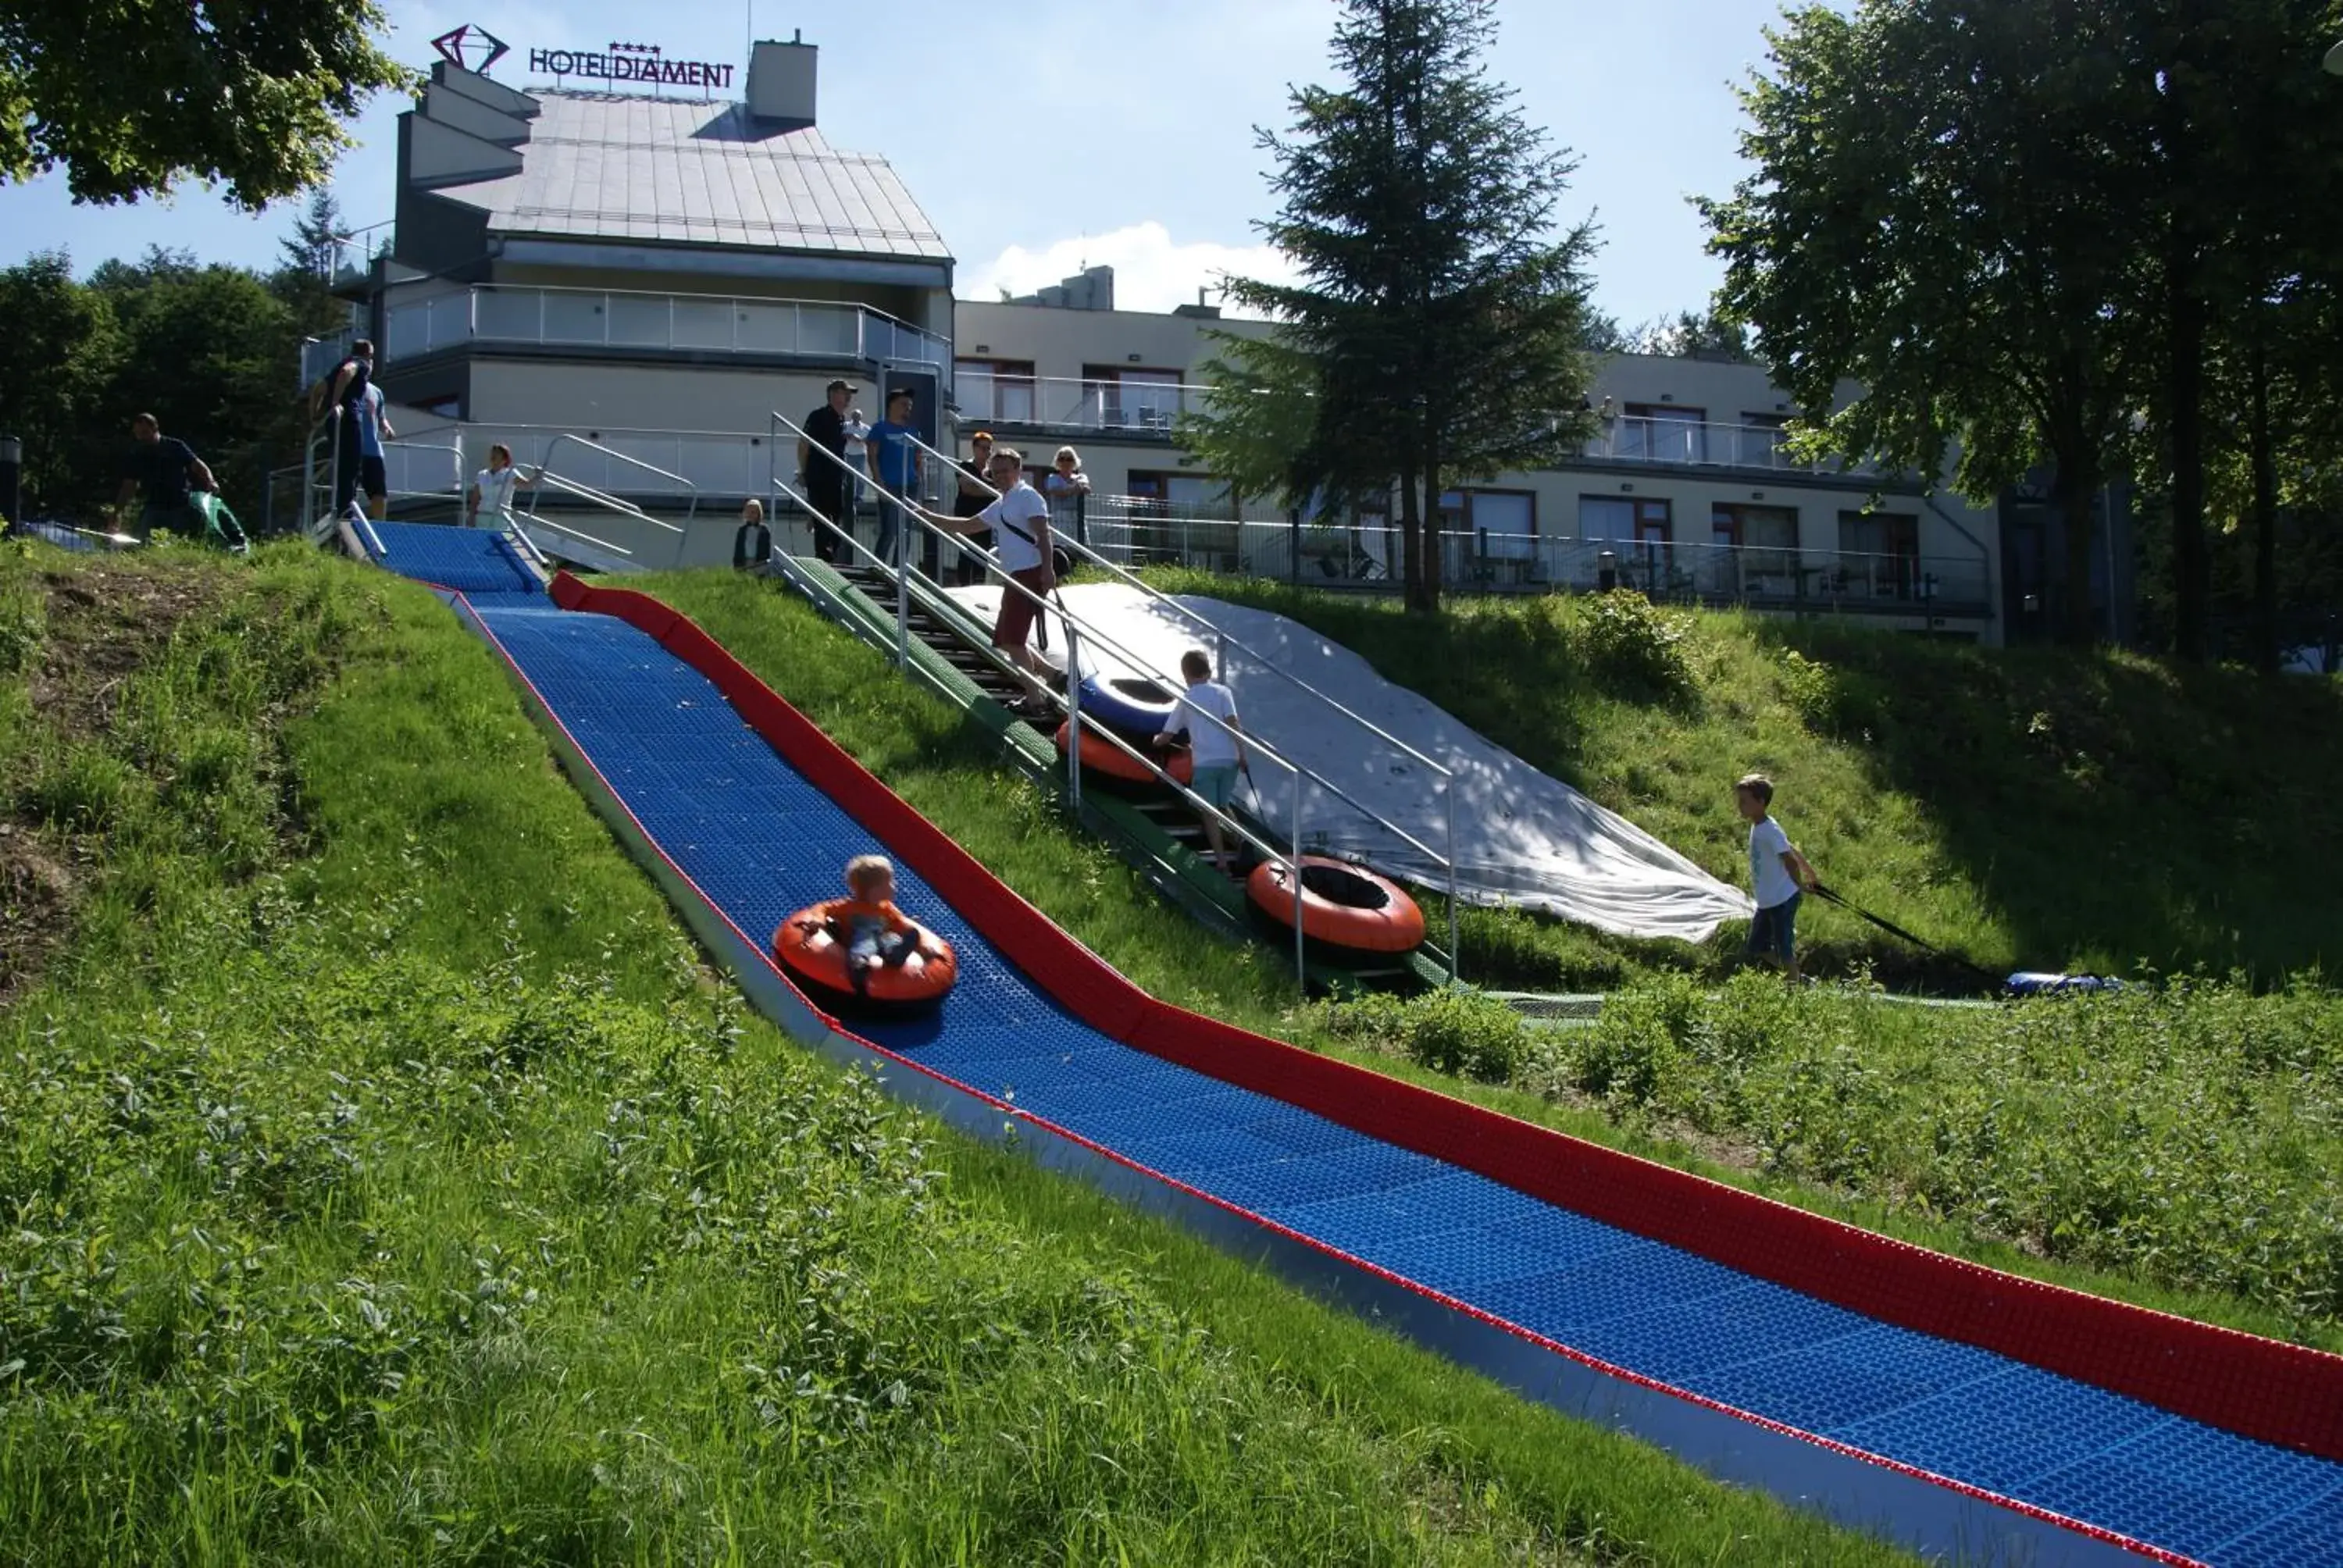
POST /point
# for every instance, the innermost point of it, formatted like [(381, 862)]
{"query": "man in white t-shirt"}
[(1777, 875), (1019, 523), (1207, 712)]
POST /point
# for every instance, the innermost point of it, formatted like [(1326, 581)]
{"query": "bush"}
[(1636, 1047), (1467, 1033), (1464, 1034), (1634, 648)]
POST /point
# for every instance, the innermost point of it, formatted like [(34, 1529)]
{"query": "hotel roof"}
[(600, 166)]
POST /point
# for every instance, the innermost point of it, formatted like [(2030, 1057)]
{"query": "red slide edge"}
[(2280, 1394)]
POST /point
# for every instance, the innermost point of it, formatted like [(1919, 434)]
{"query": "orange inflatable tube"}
[(1107, 759), (1343, 905), (810, 948)]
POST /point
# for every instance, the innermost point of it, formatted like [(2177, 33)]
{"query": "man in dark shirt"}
[(165, 468), (825, 483), (974, 496)]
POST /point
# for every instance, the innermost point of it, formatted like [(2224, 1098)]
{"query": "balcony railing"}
[(1701, 443), (1074, 405), (319, 355), (699, 322), (1137, 531), (354, 252)]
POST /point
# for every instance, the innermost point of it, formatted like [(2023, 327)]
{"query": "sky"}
[(1046, 134)]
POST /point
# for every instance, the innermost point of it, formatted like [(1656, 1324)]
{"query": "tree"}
[(210, 351), (58, 349), (1256, 429), (314, 248), (2249, 138), (1441, 312), (311, 255), (1692, 334), (1946, 209), (132, 96)]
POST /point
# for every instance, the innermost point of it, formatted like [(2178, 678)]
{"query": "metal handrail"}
[(900, 572), (692, 508), (587, 493), (455, 449), (1447, 775), (1224, 639)]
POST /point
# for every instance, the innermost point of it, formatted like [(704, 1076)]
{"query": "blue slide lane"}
[(762, 842)]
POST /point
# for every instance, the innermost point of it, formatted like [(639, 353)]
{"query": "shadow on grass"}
[(2111, 808)]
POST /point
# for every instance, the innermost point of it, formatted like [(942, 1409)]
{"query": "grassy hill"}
[(2172, 1147), (384, 1178), (2032, 809)]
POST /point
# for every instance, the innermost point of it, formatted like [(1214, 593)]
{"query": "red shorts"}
[(1017, 611)]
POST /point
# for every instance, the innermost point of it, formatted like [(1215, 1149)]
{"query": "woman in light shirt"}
[(492, 490)]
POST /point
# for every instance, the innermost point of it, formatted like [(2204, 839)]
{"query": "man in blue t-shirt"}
[(895, 464)]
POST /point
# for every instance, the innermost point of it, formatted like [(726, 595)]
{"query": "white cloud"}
[(1150, 272)]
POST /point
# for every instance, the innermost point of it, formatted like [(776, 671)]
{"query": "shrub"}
[(1468, 1033), (1634, 648), (1464, 1034), (1635, 1047)]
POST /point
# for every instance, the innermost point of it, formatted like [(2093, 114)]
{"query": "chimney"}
[(782, 83)]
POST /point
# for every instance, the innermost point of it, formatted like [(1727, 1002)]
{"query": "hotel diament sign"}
[(475, 48)]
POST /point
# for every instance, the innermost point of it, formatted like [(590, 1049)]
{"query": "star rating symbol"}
[(453, 47)]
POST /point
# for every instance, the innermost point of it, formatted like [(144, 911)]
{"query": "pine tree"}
[(314, 247), (1442, 313)]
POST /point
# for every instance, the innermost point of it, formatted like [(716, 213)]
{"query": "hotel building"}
[(629, 289)]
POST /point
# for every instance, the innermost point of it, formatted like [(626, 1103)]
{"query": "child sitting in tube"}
[(876, 931)]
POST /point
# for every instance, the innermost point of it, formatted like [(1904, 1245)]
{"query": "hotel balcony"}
[(626, 322), (1067, 406), (1141, 531), (1704, 444)]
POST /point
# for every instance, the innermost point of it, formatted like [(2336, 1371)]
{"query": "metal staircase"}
[(933, 635)]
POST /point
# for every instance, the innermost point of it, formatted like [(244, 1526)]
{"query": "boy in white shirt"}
[(1777, 874), (492, 490), (1212, 747)]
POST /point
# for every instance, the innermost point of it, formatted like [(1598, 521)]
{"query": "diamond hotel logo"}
[(470, 47)]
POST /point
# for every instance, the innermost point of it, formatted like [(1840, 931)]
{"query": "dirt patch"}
[(36, 896), (104, 625)]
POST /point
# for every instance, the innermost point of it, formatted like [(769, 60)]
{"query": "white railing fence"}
[(618, 318), (1132, 532)]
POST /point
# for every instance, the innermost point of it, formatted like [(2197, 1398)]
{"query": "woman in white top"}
[(492, 490)]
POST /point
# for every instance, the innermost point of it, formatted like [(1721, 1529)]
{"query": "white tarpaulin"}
[(1523, 839)]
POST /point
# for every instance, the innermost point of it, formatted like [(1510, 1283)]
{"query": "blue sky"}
[(1050, 133)]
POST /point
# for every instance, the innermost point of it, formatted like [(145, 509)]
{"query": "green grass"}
[(2032, 809), (2171, 1149), (387, 1180)]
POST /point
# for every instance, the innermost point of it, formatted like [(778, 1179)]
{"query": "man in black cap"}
[(823, 482)]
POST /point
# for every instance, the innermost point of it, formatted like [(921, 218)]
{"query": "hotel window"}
[(1503, 522), (1606, 520), (1133, 397), (1879, 554), (1758, 441), (994, 391), (1663, 433), (1766, 537), (1178, 495)]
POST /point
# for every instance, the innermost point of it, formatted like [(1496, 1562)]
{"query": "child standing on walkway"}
[(1778, 874), (1207, 711)]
